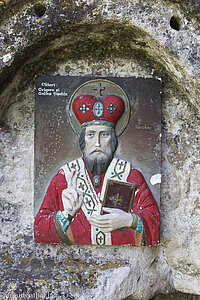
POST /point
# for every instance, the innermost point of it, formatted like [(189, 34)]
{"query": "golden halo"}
[(111, 88)]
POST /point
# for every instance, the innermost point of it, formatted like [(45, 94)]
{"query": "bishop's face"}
[(97, 142)]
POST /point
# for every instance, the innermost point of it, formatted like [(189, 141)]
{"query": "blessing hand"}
[(114, 219), (71, 198)]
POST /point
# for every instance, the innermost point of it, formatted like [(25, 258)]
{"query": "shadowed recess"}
[(175, 23), (39, 9), (103, 40)]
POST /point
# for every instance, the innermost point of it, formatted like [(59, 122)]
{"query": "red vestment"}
[(144, 205)]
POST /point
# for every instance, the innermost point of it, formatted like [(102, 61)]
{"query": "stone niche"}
[(157, 39)]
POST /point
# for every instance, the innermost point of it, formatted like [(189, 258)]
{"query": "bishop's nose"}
[(97, 140)]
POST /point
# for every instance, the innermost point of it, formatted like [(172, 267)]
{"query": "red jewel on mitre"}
[(107, 111)]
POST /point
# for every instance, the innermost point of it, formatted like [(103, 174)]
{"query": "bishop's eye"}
[(90, 134), (105, 134)]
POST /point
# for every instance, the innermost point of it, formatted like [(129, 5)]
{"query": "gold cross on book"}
[(116, 199)]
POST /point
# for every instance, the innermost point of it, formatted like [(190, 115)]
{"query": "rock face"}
[(105, 38)]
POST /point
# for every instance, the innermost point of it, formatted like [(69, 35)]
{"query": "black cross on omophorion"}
[(98, 88), (88, 201), (121, 164), (81, 186), (116, 200), (73, 166), (100, 239)]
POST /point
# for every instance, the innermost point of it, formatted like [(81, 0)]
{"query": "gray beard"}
[(98, 166)]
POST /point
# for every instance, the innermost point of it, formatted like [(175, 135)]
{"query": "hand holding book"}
[(113, 219), (116, 207)]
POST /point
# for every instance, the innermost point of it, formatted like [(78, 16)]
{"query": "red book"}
[(119, 195)]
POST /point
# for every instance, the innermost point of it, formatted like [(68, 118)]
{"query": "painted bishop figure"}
[(71, 211)]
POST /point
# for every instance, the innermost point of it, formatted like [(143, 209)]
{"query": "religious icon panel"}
[(97, 160)]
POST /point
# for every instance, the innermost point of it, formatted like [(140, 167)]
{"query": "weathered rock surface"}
[(104, 38)]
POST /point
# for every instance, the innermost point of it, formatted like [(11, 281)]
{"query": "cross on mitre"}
[(98, 88)]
